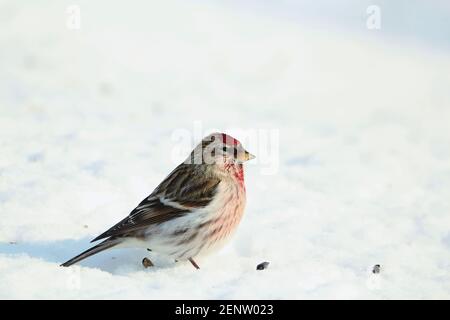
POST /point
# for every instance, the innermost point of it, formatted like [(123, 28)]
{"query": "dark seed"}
[(262, 265), (147, 263), (376, 269)]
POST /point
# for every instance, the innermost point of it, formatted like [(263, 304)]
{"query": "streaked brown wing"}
[(187, 188)]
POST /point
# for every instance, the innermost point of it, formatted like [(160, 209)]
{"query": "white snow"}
[(87, 119)]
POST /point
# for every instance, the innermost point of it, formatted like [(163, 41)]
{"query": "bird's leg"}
[(193, 263)]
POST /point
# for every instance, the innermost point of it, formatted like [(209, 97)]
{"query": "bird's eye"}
[(225, 149)]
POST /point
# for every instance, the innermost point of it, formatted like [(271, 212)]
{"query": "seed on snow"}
[(376, 269), (147, 263), (262, 265)]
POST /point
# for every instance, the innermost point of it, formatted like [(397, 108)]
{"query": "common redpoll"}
[(193, 211)]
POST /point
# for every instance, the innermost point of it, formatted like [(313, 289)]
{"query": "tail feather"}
[(108, 243)]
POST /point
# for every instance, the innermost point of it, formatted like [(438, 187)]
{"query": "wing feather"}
[(187, 188)]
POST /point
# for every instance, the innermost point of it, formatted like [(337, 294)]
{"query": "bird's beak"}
[(246, 156)]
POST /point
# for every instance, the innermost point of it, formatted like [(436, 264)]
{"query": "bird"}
[(194, 211)]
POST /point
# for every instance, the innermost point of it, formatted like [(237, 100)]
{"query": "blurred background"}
[(92, 92)]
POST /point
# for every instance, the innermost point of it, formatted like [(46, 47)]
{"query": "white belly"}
[(201, 231)]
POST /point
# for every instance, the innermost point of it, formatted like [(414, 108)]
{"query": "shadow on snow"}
[(113, 260)]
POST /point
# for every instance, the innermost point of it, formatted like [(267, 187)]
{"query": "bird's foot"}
[(194, 263)]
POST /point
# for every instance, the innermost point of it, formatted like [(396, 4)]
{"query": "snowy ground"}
[(87, 119)]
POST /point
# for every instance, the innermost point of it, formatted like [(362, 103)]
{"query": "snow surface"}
[(361, 175)]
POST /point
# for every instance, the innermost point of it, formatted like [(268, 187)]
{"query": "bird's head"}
[(221, 149)]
